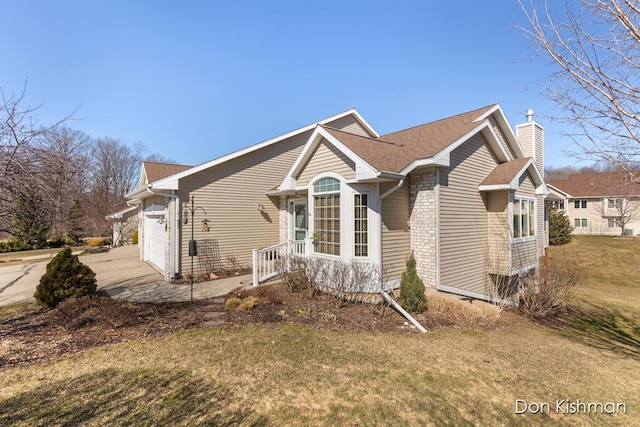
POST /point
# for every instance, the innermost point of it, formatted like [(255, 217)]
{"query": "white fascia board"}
[(497, 187), (133, 194), (363, 169), (118, 215), (362, 121), (495, 145), (541, 187), (443, 158), (289, 182), (160, 184), (171, 183), (506, 129)]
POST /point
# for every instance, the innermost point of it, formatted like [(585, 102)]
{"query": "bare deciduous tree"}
[(20, 142), (65, 165), (594, 45)]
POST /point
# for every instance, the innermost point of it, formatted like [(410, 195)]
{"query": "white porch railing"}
[(264, 260)]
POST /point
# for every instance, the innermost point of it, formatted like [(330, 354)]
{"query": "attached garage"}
[(155, 236)]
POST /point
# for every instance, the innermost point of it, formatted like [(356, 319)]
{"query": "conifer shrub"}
[(412, 296), (65, 277), (560, 227), (134, 239)]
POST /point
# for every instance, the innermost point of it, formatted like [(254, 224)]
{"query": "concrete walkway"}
[(121, 274)]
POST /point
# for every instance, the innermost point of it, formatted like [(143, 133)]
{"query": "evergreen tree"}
[(412, 288), (560, 227), (65, 277), (30, 224), (75, 230)]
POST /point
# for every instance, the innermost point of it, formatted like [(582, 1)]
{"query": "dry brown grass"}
[(462, 313), (279, 374)]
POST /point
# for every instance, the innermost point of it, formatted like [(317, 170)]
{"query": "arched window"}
[(326, 213)]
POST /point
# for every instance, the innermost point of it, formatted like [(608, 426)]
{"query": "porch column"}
[(283, 219)]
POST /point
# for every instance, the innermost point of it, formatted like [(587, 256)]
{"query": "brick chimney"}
[(530, 135)]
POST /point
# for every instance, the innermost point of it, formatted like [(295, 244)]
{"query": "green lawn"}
[(289, 375)]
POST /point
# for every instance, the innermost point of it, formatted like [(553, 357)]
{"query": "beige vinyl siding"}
[(525, 253), (503, 141), (543, 227), (498, 232), (525, 135), (526, 187), (395, 231), (463, 217), (351, 125), (327, 158), (539, 146), (231, 192)]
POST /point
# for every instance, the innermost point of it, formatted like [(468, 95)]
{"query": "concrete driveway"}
[(121, 274)]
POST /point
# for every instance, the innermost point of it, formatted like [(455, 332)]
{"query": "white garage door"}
[(154, 236)]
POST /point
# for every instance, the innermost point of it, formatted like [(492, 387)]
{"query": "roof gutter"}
[(392, 189)]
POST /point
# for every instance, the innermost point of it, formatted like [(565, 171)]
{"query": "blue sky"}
[(195, 80)]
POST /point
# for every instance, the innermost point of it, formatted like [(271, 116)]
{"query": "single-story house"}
[(606, 203), (465, 194)]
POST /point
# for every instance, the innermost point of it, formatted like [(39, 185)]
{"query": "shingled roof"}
[(427, 140), (395, 151), (381, 155), (598, 185), (158, 170), (504, 173)]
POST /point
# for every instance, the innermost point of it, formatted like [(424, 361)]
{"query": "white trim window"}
[(326, 216), (580, 204), (524, 218), (360, 225), (580, 223)]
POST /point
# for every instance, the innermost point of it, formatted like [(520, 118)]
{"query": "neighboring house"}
[(464, 194), (125, 223), (599, 203)]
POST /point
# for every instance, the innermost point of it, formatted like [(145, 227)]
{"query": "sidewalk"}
[(161, 291), (120, 273)]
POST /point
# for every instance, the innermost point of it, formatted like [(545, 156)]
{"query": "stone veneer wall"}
[(283, 219), (424, 225)]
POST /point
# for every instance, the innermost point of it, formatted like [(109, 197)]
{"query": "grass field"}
[(290, 375)]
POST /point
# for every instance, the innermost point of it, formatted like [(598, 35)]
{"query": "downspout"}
[(382, 196), (438, 228), (402, 311), (392, 189), (174, 218)]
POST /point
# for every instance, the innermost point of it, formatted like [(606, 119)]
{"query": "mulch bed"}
[(38, 334)]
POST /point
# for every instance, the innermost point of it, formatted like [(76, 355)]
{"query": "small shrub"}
[(97, 241), (134, 239), (56, 242), (65, 277), (248, 303), (412, 296), (549, 291), (560, 227), (292, 272), (232, 303)]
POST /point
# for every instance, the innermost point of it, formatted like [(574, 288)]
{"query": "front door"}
[(299, 226)]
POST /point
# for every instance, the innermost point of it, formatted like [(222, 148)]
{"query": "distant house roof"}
[(157, 170), (605, 184)]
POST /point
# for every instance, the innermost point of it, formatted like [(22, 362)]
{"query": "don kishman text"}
[(570, 407)]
